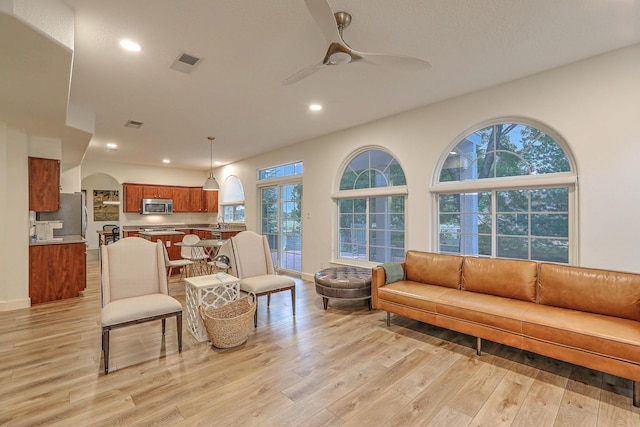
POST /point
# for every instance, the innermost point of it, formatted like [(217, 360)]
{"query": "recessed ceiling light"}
[(166, 161), (112, 147), (129, 45), (315, 107)]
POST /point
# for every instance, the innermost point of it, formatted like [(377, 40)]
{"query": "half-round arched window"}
[(507, 190), (232, 199), (371, 208)]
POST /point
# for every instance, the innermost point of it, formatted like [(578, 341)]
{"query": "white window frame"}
[(365, 193), (528, 182)]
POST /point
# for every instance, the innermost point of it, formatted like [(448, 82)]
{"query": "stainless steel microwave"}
[(157, 207)]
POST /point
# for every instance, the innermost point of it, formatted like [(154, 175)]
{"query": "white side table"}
[(208, 291)]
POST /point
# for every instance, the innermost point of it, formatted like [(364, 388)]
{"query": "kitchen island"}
[(169, 238), (57, 269)]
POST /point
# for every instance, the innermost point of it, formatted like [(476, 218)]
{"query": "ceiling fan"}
[(339, 52)]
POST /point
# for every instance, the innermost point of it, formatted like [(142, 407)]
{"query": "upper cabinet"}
[(157, 192), (185, 199), (210, 201), (132, 197), (181, 200), (44, 184)]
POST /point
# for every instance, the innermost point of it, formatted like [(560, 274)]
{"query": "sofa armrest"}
[(378, 278)]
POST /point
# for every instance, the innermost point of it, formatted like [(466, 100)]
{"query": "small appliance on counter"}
[(72, 215), (45, 230)]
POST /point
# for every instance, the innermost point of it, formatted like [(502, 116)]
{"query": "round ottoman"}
[(351, 283)]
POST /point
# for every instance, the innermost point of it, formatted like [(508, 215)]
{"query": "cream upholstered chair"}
[(253, 265), (134, 288), (177, 263)]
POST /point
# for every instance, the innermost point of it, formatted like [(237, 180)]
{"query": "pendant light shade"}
[(211, 184)]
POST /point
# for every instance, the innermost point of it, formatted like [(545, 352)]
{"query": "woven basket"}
[(228, 326)]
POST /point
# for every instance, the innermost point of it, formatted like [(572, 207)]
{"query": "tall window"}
[(507, 190), (281, 213), (232, 200), (371, 208)]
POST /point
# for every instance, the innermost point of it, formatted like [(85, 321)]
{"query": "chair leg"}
[(293, 300), (105, 349), (164, 326), (179, 328), (269, 300), (255, 315)]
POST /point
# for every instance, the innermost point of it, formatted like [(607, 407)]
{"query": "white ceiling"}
[(248, 47)]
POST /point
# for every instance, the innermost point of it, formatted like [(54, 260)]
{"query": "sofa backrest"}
[(501, 277), (433, 269), (596, 291)]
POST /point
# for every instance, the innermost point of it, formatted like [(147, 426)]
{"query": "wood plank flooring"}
[(340, 367)]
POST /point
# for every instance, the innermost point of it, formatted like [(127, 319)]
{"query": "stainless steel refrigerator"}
[(72, 213)]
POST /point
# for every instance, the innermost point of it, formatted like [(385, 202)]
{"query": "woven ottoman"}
[(350, 283)]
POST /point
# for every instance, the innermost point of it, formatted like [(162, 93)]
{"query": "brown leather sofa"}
[(583, 316)]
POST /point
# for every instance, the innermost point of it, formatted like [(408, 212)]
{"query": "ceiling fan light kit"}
[(339, 52)]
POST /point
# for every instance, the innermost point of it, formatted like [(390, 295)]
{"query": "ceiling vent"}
[(133, 124), (185, 63)]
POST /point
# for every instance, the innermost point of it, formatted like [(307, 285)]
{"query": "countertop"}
[(62, 240), (172, 227), (160, 233)]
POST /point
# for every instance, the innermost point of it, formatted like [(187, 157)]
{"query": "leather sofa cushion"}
[(413, 294), (590, 290), (501, 277), (498, 312), (433, 269), (596, 333)]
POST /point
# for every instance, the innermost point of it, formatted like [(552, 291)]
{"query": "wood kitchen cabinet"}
[(44, 184), (157, 192), (210, 201), (132, 197), (196, 199), (182, 199), (56, 271)]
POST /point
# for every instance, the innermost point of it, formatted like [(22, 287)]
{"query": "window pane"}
[(513, 224), (513, 247), (502, 150), (550, 200), (512, 201), (551, 250), (550, 225)]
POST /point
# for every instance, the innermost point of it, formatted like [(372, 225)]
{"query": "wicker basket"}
[(229, 325)]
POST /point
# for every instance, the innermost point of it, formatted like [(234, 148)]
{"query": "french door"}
[(281, 222)]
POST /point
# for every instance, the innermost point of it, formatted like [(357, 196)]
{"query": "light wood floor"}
[(337, 367)]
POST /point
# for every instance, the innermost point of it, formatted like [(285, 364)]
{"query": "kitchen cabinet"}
[(224, 235), (182, 199), (210, 201), (185, 199), (132, 197), (56, 271), (195, 199), (44, 184), (172, 250), (157, 192)]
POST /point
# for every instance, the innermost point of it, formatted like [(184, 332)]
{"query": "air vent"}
[(133, 124), (185, 63)]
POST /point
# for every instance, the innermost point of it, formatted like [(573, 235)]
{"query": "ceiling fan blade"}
[(302, 74), (323, 15), (391, 59)]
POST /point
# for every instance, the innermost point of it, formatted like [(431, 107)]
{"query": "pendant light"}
[(211, 184)]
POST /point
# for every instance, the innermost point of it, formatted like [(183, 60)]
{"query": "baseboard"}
[(307, 277), (15, 304)]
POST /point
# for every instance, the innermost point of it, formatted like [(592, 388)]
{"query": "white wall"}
[(14, 219), (592, 104)]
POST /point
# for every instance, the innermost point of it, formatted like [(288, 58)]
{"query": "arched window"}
[(507, 190), (371, 208), (232, 199)]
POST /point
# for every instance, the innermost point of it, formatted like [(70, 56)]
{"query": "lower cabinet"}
[(57, 271)]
